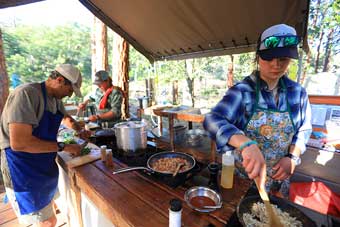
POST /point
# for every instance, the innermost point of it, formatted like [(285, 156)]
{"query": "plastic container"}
[(228, 166)]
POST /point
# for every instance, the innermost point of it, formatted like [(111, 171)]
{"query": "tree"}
[(230, 75), (120, 69), (3, 77), (99, 53)]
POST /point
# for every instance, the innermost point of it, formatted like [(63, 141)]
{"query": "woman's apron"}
[(273, 130), (35, 175)]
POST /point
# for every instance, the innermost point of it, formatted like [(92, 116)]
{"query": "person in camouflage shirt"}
[(108, 100)]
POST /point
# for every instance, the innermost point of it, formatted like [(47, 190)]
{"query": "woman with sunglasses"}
[(266, 118)]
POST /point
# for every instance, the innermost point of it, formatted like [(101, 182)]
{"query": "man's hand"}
[(84, 134), (253, 162), (73, 149), (284, 168), (82, 106)]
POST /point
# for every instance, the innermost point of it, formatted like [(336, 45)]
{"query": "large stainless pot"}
[(131, 136)]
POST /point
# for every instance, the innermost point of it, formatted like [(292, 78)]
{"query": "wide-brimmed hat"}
[(285, 39), (71, 73), (100, 77)]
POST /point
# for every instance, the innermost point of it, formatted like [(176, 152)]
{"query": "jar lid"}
[(175, 205)]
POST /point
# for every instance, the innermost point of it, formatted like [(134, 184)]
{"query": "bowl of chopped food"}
[(203, 199), (251, 211)]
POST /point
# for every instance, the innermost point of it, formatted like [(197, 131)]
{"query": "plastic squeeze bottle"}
[(227, 176)]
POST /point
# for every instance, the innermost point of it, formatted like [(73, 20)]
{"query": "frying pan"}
[(246, 203), (154, 158)]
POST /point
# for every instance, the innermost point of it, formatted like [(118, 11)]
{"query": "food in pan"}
[(258, 217), (168, 165)]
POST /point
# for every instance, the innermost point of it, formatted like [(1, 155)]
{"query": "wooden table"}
[(182, 113), (133, 199)]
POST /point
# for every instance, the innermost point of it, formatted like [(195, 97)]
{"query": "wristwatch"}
[(61, 146), (296, 159)]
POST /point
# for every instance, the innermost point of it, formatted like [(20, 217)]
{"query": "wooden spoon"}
[(273, 218), (179, 165)]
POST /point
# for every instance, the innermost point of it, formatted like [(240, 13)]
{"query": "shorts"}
[(31, 218)]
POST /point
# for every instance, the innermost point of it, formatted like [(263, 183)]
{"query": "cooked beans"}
[(168, 165)]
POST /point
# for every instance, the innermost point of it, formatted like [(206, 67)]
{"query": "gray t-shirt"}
[(26, 105)]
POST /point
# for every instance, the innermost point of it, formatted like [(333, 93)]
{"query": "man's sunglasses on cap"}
[(274, 41)]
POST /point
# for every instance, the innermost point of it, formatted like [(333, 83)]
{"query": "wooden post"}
[(175, 92), (171, 132)]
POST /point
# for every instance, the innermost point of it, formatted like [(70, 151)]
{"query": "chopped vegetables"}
[(70, 141), (85, 151)]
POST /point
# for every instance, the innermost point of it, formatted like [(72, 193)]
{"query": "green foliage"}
[(33, 52)]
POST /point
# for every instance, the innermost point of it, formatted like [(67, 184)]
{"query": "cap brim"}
[(97, 82), (280, 52), (76, 91)]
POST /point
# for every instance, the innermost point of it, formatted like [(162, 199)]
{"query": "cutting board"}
[(72, 162)]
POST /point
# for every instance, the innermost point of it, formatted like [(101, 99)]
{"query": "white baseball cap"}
[(279, 30), (71, 73)]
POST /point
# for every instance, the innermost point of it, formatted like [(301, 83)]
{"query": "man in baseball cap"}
[(28, 141), (278, 41), (73, 75)]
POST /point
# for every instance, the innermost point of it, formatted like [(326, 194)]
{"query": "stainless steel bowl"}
[(202, 191)]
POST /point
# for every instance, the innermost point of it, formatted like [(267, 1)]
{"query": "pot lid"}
[(130, 124), (105, 132)]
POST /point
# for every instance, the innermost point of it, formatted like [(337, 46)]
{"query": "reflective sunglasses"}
[(274, 41)]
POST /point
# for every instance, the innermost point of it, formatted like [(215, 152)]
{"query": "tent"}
[(179, 29)]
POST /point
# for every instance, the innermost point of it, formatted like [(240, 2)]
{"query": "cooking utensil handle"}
[(212, 207), (272, 216), (127, 169)]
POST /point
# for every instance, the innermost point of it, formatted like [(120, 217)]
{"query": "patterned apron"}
[(273, 130), (35, 175)]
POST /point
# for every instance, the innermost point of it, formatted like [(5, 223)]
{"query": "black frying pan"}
[(246, 203), (154, 158)]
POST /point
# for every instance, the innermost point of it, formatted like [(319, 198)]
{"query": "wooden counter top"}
[(133, 199)]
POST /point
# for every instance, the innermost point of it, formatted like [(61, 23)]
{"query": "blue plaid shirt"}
[(232, 113)]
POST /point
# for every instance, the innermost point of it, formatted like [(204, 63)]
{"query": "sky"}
[(49, 12)]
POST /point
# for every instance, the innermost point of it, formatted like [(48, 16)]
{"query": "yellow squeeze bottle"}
[(227, 176)]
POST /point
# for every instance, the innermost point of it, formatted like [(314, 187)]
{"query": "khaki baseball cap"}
[(71, 73), (100, 77)]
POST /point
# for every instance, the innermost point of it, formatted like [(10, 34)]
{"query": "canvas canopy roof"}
[(178, 29)]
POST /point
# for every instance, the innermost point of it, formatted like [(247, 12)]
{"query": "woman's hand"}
[(253, 162), (73, 149), (284, 168)]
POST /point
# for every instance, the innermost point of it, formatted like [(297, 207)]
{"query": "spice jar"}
[(175, 213), (103, 152), (109, 159), (213, 169)]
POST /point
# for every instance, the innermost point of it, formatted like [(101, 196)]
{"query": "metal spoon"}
[(212, 207)]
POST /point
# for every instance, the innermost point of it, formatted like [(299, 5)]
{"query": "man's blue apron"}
[(35, 175)]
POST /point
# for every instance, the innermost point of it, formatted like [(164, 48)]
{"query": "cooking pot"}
[(247, 202), (154, 158), (131, 136)]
